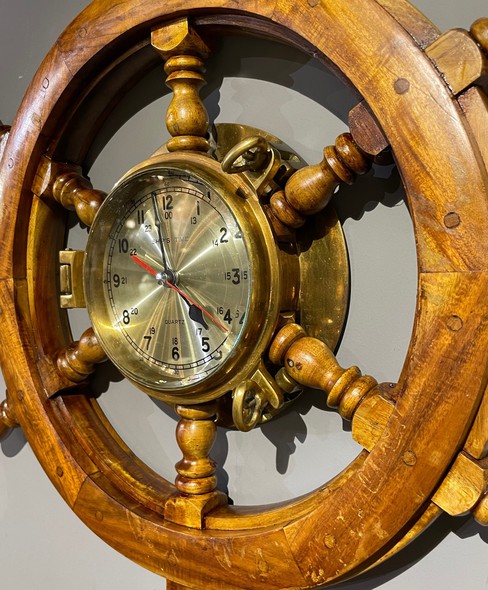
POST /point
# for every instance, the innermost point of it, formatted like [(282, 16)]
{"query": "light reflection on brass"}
[(324, 277)]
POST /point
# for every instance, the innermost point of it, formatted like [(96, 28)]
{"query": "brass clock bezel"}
[(267, 296)]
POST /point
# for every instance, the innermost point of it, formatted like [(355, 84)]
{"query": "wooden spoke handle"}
[(78, 360), (66, 184), (74, 191), (4, 131), (311, 363), (310, 189), (195, 435), (479, 32), (187, 118), (196, 481)]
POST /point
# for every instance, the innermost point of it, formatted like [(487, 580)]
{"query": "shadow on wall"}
[(14, 443)]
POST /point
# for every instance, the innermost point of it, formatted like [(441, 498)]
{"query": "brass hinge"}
[(71, 279)]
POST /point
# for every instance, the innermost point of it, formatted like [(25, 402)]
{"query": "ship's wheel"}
[(200, 280)]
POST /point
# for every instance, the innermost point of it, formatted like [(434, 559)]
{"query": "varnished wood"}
[(474, 103), (383, 499), (310, 189), (66, 184), (464, 486), (366, 134), (371, 418), (122, 470), (477, 441), (424, 32), (459, 58), (45, 239), (479, 32), (195, 434), (480, 511), (184, 51), (4, 131), (7, 419), (311, 363), (78, 361), (196, 481)]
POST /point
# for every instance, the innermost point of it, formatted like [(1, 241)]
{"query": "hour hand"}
[(196, 314)]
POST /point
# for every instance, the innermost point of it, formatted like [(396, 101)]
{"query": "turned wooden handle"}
[(78, 360), (66, 184), (479, 32), (184, 52), (7, 420), (310, 362), (74, 191), (195, 434), (310, 189)]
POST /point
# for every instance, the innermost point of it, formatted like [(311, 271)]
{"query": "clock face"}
[(168, 278)]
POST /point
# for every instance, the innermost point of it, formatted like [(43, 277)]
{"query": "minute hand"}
[(157, 221)]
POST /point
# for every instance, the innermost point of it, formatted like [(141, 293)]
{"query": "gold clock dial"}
[(175, 278)]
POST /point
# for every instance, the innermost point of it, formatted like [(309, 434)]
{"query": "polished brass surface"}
[(253, 397), (179, 288), (71, 279), (190, 320), (228, 135), (177, 303), (252, 153), (263, 159), (324, 277), (324, 264)]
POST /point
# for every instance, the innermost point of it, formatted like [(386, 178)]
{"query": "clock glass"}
[(168, 273)]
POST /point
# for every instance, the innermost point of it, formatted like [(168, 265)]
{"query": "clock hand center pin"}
[(167, 278)]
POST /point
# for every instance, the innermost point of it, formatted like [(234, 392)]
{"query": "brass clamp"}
[(252, 397), (257, 159)]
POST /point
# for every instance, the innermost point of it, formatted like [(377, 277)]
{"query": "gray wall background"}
[(42, 544)]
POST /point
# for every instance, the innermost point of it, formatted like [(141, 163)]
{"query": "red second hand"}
[(144, 265), (155, 273)]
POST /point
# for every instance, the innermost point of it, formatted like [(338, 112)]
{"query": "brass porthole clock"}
[(215, 278), (176, 296)]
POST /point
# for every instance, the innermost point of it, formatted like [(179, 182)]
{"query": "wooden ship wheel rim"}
[(348, 524)]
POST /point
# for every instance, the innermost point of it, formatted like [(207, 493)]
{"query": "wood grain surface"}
[(383, 498)]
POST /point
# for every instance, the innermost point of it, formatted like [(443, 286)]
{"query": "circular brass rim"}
[(450, 271), (266, 296)]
